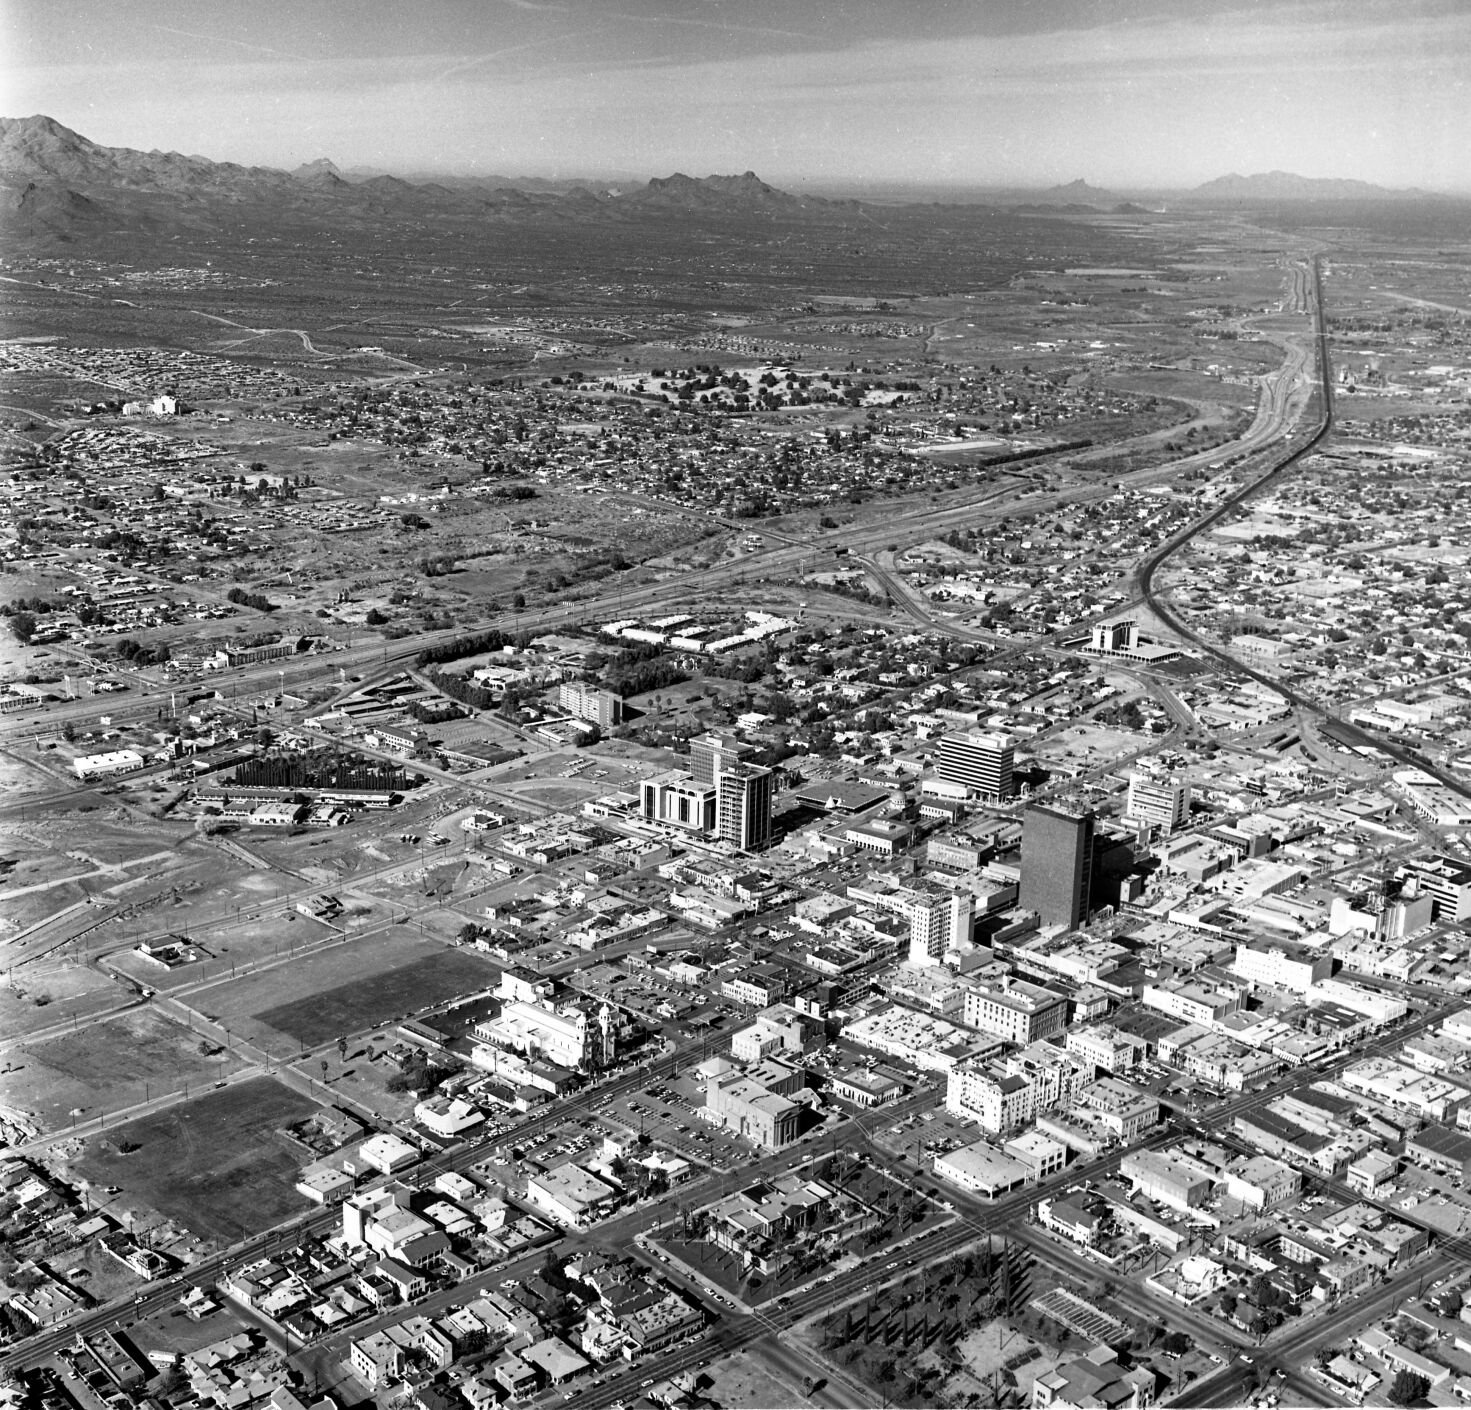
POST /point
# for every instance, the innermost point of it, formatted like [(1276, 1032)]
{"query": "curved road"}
[(1166, 613)]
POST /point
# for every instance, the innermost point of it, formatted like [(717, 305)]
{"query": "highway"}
[(1004, 495), (379, 659), (1160, 606)]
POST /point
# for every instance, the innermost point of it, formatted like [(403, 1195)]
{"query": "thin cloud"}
[(222, 39), (712, 24), (495, 54)]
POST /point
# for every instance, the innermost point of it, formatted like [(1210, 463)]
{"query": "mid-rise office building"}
[(1000, 1096), (938, 918), (677, 799), (1447, 881), (1115, 636), (982, 762), (1015, 1010), (1057, 864), (994, 1099), (1162, 802), (938, 921), (1103, 1045), (760, 1111), (1282, 966), (589, 702)]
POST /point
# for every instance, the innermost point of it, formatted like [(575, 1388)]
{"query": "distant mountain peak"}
[(323, 166), (697, 191), (1077, 195), (1080, 190), (39, 145), (1289, 186)]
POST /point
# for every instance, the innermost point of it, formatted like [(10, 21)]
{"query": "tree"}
[(23, 625), (375, 618), (1176, 1343), (170, 1381), (1407, 1388)]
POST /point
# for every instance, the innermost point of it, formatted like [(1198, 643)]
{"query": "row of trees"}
[(475, 644), (136, 654), (259, 601)]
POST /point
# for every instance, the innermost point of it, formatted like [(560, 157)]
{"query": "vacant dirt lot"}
[(343, 989), (105, 1066), (365, 1002), (741, 1383), (216, 1165)]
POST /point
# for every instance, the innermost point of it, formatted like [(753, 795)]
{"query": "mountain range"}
[(58, 187), (1285, 186)]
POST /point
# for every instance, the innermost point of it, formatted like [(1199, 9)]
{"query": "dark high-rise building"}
[(1057, 864), (743, 807), (982, 762)]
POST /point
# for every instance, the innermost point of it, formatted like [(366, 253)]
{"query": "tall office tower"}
[(937, 920), (743, 806), (1162, 801), (709, 751), (982, 762), (1057, 864)]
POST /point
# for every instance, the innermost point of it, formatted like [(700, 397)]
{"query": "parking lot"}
[(667, 1112)]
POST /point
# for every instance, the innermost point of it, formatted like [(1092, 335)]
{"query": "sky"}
[(1122, 93)]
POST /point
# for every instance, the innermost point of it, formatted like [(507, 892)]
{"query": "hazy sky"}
[(1121, 92)]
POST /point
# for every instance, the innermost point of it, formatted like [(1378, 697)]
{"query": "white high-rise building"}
[(938, 921), (1164, 802), (982, 762)]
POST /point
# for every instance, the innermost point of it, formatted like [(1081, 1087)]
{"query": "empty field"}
[(215, 1165), (106, 1066), (375, 998)]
